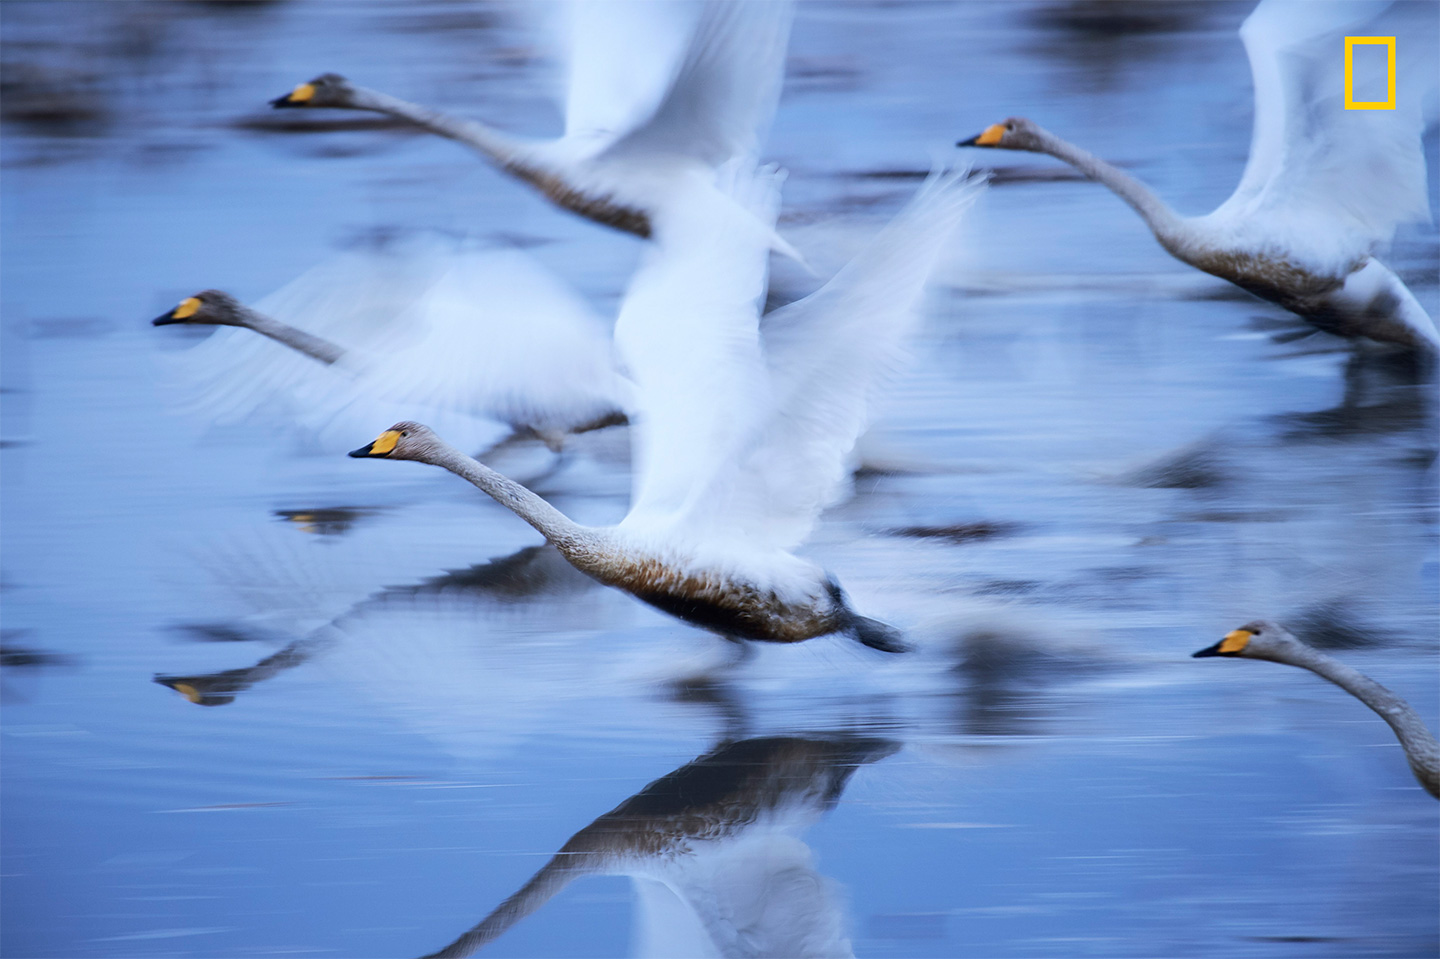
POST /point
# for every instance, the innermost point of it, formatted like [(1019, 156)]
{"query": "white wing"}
[(623, 56), (425, 327), (827, 355), (349, 299), (498, 336), (688, 334), (1336, 180), (723, 98)]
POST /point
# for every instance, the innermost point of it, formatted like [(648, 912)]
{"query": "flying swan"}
[(1323, 188), (1265, 640), (656, 93), (486, 333), (740, 433)]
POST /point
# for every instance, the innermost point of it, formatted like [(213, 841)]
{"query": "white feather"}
[(742, 435), (1326, 183), (425, 326)]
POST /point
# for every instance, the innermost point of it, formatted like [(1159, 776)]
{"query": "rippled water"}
[(1101, 462)]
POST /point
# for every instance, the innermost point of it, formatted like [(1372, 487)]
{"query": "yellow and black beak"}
[(1233, 644), (298, 97), (989, 138), (382, 445), (188, 307)]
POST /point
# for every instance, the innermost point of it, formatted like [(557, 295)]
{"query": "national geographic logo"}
[(1389, 102)]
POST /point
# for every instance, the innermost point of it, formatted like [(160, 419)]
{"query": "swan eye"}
[(404, 432)]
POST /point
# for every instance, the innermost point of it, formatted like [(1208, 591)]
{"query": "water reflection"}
[(528, 574), (715, 853)]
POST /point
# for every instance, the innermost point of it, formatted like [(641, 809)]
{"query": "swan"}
[(485, 333), (1324, 186), (1266, 640), (740, 434), (656, 93), (713, 848)]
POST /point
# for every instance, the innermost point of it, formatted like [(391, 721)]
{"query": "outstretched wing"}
[(429, 331), (688, 335), (827, 356), (724, 93), (623, 55), (498, 336), (1339, 180), (349, 300)]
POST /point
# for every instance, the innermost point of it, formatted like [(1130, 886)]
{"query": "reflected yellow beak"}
[(301, 94), (188, 691)]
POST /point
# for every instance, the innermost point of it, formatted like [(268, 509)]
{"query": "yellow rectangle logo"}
[(1350, 102)]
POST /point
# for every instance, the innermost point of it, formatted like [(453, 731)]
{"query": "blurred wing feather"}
[(688, 334), (827, 356), (623, 56), (724, 94), (1338, 180)]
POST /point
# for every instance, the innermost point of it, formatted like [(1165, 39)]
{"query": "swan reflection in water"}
[(715, 853), (535, 571)]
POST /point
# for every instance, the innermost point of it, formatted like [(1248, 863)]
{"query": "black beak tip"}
[(280, 103), (968, 143), (362, 452), (164, 320), (1205, 653)]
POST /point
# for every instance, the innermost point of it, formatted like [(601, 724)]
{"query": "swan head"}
[(326, 90), (206, 308), (403, 441), (1258, 640), (1016, 133)]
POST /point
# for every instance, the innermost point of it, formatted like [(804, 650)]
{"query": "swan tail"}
[(877, 635)]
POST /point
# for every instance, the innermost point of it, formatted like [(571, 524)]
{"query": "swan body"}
[(715, 851), (657, 92), (1324, 186), (787, 602), (739, 439), (483, 333), (1266, 640)]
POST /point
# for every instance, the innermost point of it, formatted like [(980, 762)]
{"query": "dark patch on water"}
[(960, 532)]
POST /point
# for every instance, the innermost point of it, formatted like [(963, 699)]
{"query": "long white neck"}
[(568, 536), (1168, 228), (484, 139), (307, 343), (1420, 746)]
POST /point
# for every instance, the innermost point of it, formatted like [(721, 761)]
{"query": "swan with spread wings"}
[(418, 327), (740, 431), (1324, 187), (656, 93)]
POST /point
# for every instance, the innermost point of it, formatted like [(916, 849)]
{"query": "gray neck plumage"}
[(1163, 222), (558, 873), (1420, 746), (569, 537), (487, 141), (307, 343)]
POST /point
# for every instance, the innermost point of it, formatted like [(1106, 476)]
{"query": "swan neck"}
[(569, 536), (1162, 220), (478, 136), (1421, 748), (554, 876), (312, 346)]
